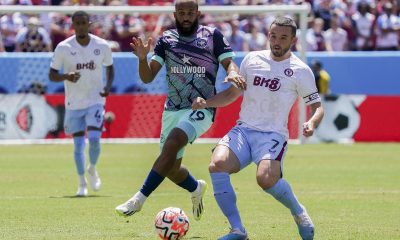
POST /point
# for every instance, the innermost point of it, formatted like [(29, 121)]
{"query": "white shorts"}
[(77, 120), (250, 145)]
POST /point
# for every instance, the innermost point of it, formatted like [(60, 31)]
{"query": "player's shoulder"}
[(299, 66), (66, 43), (98, 40), (262, 54)]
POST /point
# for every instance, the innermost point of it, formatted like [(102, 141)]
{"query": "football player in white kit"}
[(275, 78), (82, 57)]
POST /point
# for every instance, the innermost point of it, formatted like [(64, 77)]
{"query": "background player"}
[(275, 78), (191, 54), (81, 57)]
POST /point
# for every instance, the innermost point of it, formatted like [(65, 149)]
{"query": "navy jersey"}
[(191, 64)]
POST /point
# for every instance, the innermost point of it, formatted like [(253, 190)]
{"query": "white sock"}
[(140, 196)]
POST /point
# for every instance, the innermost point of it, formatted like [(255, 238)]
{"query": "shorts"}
[(251, 145), (193, 123), (78, 120)]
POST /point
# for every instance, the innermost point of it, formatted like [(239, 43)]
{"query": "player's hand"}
[(105, 92), (73, 76), (199, 103), (236, 80), (140, 49), (308, 129)]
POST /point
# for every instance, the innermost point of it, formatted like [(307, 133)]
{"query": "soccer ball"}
[(171, 223)]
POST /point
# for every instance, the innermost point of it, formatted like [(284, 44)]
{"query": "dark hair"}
[(80, 14), (178, 2), (286, 22)]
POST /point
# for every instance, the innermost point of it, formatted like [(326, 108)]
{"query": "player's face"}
[(281, 40), (81, 25), (186, 18)]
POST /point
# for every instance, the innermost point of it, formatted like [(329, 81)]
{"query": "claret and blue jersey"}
[(191, 64)]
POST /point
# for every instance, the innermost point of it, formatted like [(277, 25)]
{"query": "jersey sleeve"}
[(159, 51), (307, 88), (243, 66), (108, 60), (222, 49), (57, 59)]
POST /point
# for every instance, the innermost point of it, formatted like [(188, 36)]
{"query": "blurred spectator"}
[(255, 39), (60, 28), (335, 36), (1, 44), (322, 10), (237, 38), (9, 26), (363, 22), (33, 38), (314, 36), (387, 29), (322, 77), (125, 27)]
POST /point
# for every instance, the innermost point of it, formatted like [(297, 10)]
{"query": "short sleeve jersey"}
[(272, 89), (191, 64), (88, 60)]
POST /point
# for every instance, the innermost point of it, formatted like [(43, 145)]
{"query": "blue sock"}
[(79, 154), (190, 183), (226, 198), (94, 146), (282, 192), (152, 181)]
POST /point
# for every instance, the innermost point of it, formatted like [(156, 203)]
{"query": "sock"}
[(226, 199), (79, 154), (152, 181), (94, 146), (139, 195), (282, 192), (190, 183)]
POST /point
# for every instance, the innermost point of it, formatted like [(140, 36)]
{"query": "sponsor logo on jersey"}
[(90, 66), (201, 42), (288, 72), (198, 71), (272, 84)]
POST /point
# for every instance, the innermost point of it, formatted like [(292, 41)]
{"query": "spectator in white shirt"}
[(335, 36)]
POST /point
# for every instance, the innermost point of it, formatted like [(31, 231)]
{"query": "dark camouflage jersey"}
[(191, 64)]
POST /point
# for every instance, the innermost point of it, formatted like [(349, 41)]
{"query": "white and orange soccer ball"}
[(171, 223)]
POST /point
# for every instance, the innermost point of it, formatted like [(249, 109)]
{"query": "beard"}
[(187, 31), (279, 52)]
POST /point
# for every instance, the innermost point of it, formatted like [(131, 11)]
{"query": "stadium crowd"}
[(334, 25)]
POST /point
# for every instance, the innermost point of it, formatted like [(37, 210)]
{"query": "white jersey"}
[(272, 88), (88, 60)]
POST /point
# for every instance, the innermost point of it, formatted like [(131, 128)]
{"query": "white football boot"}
[(132, 206), (94, 179), (197, 199)]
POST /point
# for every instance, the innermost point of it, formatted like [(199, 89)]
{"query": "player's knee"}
[(218, 165), (267, 181)]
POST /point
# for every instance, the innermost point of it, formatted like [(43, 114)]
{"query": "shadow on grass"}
[(74, 196)]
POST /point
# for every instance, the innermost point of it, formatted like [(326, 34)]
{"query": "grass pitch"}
[(350, 191)]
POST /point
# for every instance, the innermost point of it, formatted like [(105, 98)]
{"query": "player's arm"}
[(55, 76), (147, 72), (110, 79), (317, 113), (233, 75), (221, 99)]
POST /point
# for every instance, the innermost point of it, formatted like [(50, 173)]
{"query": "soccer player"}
[(275, 78), (191, 54), (82, 57)]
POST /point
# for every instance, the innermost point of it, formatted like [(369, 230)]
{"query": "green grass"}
[(350, 191)]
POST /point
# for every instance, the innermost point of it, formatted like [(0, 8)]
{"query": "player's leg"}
[(94, 121), (193, 124), (269, 178), (74, 123), (170, 146), (231, 154)]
